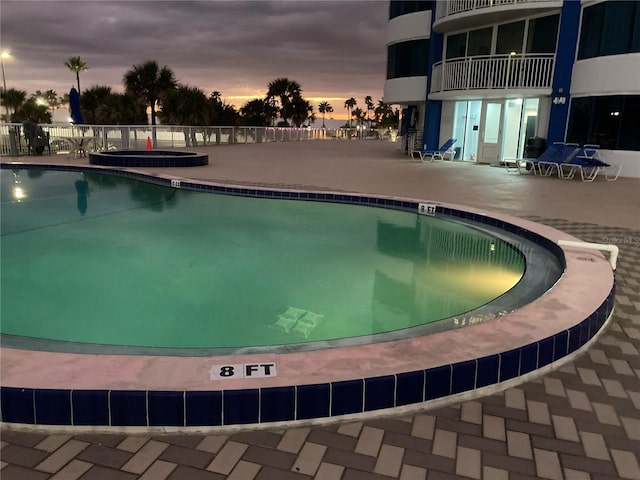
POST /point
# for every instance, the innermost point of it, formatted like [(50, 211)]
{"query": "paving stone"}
[(172, 453), (72, 470), (22, 456), (407, 442), (159, 470), (519, 445), (570, 474), (511, 464), (471, 412), (213, 443), (493, 427), (104, 456), (227, 458), (594, 445), (369, 441), (244, 471), (605, 413), (626, 464), (444, 443), (349, 459), (430, 462), (614, 388), (554, 386), (547, 464), (60, 457), (579, 400), (309, 459), (389, 461), (494, 473), (351, 429), (259, 437), (565, 428), (631, 427), (15, 472), (52, 442), (144, 457), (269, 457), (331, 439), (410, 472), (133, 444), (538, 412), (458, 426), (469, 463), (514, 398), (329, 471), (423, 426), (182, 472)]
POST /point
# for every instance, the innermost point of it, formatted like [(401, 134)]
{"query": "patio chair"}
[(439, 154), (566, 153), (544, 165), (589, 163), (37, 139)]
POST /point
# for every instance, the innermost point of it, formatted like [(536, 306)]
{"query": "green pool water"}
[(100, 259)]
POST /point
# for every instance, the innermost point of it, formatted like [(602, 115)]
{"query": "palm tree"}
[(286, 91), (77, 65), (257, 112), (12, 99), (149, 82), (349, 104), (323, 108), (92, 103), (186, 106), (369, 102)]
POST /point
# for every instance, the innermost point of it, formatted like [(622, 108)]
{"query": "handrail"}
[(523, 71), (612, 249)]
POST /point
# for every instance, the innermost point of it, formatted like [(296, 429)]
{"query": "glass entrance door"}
[(490, 142)]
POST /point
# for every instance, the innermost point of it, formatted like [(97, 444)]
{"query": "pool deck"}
[(577, 422)]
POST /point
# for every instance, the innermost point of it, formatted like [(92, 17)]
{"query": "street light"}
[(4, 55)]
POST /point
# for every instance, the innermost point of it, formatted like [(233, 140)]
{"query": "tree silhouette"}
[(149, 82), (76, 65), (349, 104), (324, 108)]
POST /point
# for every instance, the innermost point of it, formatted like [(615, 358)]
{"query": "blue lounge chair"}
[(566, 153), (552, 153), (589, 163), (445, 149)]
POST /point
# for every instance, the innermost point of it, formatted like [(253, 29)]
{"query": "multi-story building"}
[(495, 74)]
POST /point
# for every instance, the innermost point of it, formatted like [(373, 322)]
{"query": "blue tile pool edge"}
[(180, 408)]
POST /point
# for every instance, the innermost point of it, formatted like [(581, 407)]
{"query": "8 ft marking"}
[(246, 370)]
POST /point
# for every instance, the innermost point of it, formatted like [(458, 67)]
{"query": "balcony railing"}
[(451, 7), (494, 72)]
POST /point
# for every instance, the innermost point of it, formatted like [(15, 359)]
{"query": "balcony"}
[(455, 15), (502, 74)]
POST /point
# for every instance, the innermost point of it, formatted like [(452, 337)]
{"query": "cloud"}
[(332, 48)]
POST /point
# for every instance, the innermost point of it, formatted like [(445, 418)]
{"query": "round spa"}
[(148, 158), (141, 301)]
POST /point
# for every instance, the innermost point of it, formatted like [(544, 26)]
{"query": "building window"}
[(397, 8), (480, 42), (610, 28), (610, 122), (543, 34), (408, 59), (510, 38)]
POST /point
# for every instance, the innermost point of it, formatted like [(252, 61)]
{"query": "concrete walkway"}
[(579, 422)]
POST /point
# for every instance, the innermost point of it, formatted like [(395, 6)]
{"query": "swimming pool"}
[(394, 230)]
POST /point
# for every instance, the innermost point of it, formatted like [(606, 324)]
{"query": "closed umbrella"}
[(74, 106)]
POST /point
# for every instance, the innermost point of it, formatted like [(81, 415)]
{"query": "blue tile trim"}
[(240, 406), (560, 345), (90, 407), (313, 401), (463, 377), (347, 397), (53, 407), (277, 404), (528, 358), (488, 371), (203, 409), (545, 352), (17, 405), (379, 392), (166, 408), (410, 388), (438, 382), (509, 364), (128, 408)]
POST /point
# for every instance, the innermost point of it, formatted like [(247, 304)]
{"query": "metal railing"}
[(134, 137), (526, 71), (452, 7)]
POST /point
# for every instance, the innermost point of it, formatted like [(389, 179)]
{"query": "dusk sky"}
[(335, 49)]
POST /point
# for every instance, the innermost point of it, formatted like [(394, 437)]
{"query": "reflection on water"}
[(124, 262), (443, 269)]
